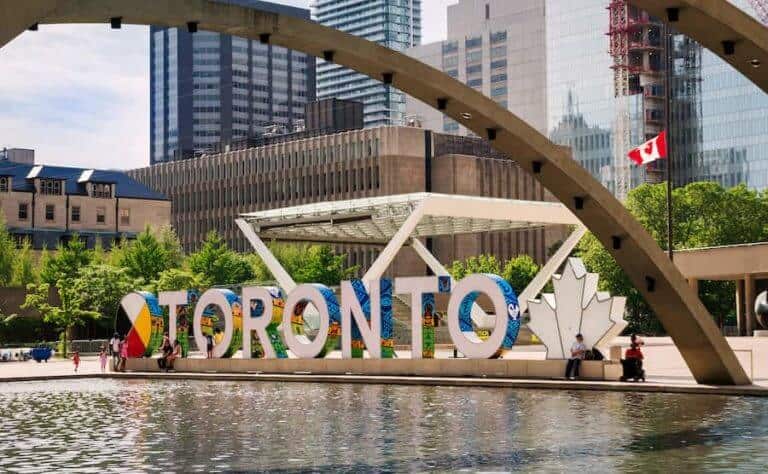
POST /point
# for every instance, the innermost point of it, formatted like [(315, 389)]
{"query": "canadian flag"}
[(651, 150)]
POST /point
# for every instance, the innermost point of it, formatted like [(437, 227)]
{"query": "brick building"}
[(49, 204)]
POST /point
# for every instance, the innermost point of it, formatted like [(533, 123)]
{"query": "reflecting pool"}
[(103, 425)]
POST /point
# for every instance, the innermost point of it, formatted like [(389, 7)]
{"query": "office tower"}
[(208, 89), (395, 24), (718, 130), (496, 47)]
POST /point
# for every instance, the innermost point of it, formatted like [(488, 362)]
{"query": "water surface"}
[(103, 425)]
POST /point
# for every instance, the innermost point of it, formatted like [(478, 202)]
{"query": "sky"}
[(79, 94)]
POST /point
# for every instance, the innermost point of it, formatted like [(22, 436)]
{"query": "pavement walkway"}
[(665, 369)]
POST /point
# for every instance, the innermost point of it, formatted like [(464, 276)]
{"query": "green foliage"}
[(66, 262), (101, 287), (24, 266), (705, 214), (305, 263), (479, 264), (519, 272), (176, 279), (7, 254), (69, 313), (217, 264), (147, 256)]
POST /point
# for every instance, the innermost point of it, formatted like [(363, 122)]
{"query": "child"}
[(76, 359), (209, 345), (103, 360)]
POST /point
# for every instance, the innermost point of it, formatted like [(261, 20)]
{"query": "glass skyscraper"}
[(208, 89), (395, 24), (718, 131)]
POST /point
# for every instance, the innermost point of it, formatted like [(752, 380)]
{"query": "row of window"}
[(75, 213), (276, 191)]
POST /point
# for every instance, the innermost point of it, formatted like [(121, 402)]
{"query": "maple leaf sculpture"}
[(576, 307)]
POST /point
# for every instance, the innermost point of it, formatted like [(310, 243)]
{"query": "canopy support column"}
[(284, 280)]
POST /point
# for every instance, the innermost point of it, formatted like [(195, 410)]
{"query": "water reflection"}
[(198, 426)]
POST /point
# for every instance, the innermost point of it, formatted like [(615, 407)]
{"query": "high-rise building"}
[(208, 88), (395, 24), (590, 75), (496, 47), (717, 129)]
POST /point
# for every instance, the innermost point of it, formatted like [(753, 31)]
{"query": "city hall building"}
[(210, 192)]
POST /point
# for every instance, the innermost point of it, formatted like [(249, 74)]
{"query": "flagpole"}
[(668, 113)]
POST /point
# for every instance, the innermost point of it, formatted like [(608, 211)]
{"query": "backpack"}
[(595, 354)]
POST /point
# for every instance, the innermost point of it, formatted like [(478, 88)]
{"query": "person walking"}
[(76, 359), (578, 352), (103, 359)]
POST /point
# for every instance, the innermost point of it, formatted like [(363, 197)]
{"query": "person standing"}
[(578, 352), (103, 359), (76, 359), (123, 353), (114, 345)]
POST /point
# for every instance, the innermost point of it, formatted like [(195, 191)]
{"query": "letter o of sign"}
[(468, 343), (218, 298), (322, 298)]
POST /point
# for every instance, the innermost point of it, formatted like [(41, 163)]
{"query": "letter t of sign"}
[(416, 286), (172, 299)]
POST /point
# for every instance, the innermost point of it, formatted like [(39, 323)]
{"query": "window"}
[(475, 42), (23, 211), (498, 52), (474, 57), (499, 78), (498, 36), (125, 217), (451, 47), (474, 69), (4, 184), (102, 191), (50, 187), (50, 212), (502, 63), (453, 73), (101, 215), (475, 82), (75, 213)]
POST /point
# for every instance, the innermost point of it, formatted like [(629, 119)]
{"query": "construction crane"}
[(761, 9)]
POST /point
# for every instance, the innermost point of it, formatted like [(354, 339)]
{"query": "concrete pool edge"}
[(484, 382)]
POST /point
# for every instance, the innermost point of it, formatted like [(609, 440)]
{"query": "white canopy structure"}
[(398, 220)]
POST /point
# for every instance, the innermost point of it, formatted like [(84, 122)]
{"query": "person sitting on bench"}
[(632, 364), (578, 352)]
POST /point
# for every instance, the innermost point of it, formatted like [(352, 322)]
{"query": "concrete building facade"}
[(208, 193), (497, 47), (50, 204)]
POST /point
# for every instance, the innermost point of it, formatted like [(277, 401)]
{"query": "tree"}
[(146, 257), (705, 214), (24, 266), (176, 279), (7, 254), (520, 271), (169, 240), (305, 263), (66, 262), (103, 286), (217, 264), (480, 264), (70, 313)]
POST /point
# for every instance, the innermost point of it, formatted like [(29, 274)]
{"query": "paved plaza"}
[(665, 368)]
